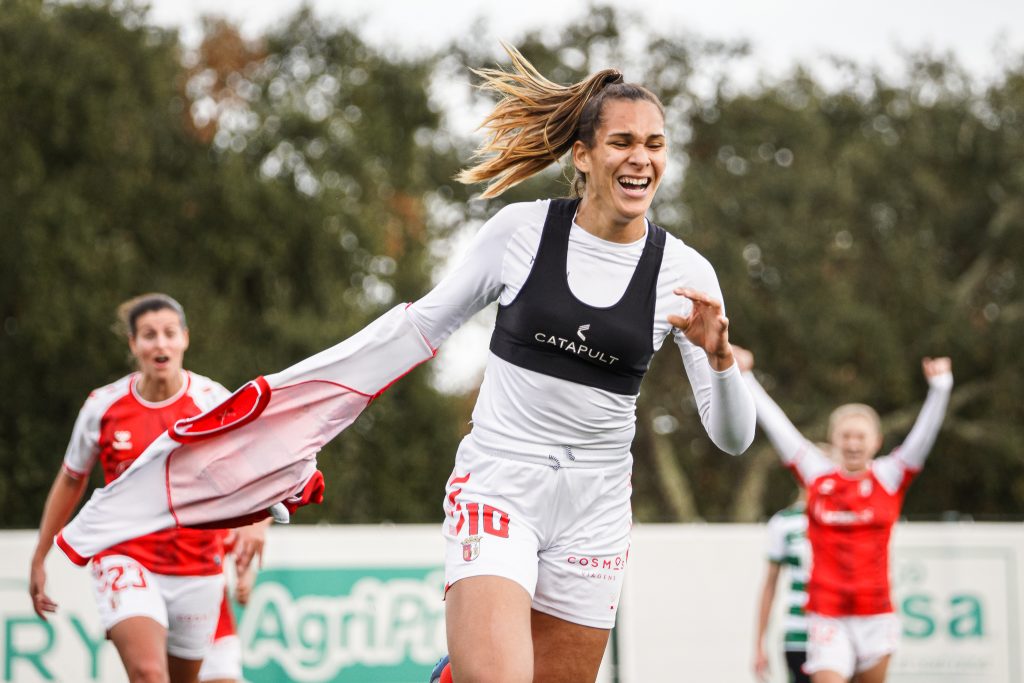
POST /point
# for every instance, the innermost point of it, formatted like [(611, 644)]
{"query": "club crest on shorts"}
[(471, 548)]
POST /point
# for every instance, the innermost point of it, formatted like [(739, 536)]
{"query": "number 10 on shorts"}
[(495, 522)]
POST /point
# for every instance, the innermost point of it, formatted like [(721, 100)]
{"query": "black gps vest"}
[(548, 330)]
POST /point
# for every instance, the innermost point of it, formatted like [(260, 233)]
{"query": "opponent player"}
[(788, 548), (851, 509), (157, 594), (538, 505)]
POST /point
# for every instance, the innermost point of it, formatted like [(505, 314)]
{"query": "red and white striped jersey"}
[(114, 427)]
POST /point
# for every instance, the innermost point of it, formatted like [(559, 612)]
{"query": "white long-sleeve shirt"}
[(522, 411)]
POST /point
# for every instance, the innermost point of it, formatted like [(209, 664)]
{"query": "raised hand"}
[(744, 358), (706, 327), (933, 367)]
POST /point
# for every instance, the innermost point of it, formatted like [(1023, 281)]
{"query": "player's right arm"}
[(776, 556), (65, 495), (476, 280)]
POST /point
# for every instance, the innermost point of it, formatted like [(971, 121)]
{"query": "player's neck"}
[(157, 389)]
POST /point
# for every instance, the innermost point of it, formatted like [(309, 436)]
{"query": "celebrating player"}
[(851, 509), (157, 594), (538, 504)]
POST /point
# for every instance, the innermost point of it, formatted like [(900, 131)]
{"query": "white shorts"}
[(187, 606), (560, 530), (849, 645), (223, 661)]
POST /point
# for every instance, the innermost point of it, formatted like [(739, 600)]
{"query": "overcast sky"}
[(979, 32)]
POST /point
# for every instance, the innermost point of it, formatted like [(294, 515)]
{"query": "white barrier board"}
[(363, 603)]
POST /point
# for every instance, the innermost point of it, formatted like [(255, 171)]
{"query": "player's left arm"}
[(914, 451), (701, 332)]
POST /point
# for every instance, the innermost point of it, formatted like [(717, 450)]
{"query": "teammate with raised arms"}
[(853, 501)]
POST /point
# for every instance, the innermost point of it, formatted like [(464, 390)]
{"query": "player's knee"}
[(147, 672), (484, 670)]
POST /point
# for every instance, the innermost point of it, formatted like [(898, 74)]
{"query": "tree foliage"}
[(290, 190)]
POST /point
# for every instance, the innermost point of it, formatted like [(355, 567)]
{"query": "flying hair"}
[(536, 121)]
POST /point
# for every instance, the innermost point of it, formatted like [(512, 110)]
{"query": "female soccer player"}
[(853, 500), (538, 505), (158, 594), (787, 547)]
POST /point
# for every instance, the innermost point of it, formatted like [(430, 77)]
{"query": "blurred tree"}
[(279, 191), (859, 230), (290, 190)]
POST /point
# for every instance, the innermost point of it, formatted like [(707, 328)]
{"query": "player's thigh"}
[(876, 638), (831, 655), (193, 607), (489, 636), (141, 642), (564, 652), (183, 670)]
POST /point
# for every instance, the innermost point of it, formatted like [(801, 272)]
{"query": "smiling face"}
[(159, 344), (623, 167), (856, 440)]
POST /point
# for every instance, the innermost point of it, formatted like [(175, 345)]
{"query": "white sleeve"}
[(776, 539), (793, 448), (724, 404), (84, 447), (914, 451), (472, 284)]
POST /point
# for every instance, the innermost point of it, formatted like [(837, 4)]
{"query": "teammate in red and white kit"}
[(851, 509), (157, 594)]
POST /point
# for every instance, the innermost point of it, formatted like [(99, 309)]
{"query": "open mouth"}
[(161, 360), (634, 185)]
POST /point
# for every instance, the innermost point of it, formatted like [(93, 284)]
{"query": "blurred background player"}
[(787, 547), (852, 504), (158, 595), (789, 550)]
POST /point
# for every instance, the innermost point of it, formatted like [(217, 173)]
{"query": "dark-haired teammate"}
[(158, 594)]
